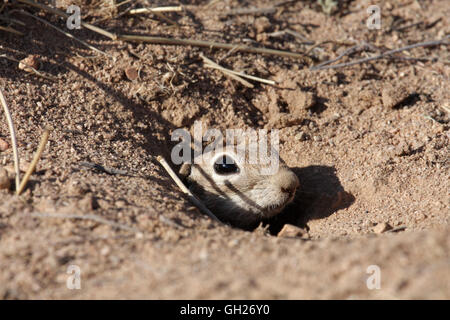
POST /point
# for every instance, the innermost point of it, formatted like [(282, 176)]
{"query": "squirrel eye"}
[(225, 165)]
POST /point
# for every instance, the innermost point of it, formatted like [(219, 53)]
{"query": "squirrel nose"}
[(288, 181)]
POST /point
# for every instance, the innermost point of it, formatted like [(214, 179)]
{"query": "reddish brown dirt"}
[(368, 142)]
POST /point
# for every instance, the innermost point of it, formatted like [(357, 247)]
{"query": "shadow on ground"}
[(319, 196)]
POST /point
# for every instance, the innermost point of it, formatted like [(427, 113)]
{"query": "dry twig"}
[(174, 41), (185, 190), (383, 55), (11, 30), (158, 9), (65, 33), (348, 52), (33, 70), (12, 131), (33, 163), (214, 45), (66, 16), (211, 64)]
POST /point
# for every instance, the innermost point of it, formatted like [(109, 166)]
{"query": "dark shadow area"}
[(319, 106), (319, 196), (409, 101)]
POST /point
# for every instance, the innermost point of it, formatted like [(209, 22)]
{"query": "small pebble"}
[(139, 235), (381, 227), (262, 24), (317, 138), (3, 145), (291, 231), (392, 96), (105, 251), (131, 73), (302, 136), (30, 61)]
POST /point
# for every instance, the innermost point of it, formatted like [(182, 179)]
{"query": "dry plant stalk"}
[(33, 163), (66, 16), (12, 131), (214, 45), (33, 70), (325, 65), (211, 64), (11, 30), (65, 33), (174, 41), (185, 190), (158, 9)]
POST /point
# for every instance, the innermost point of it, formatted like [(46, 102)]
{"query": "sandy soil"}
[(369, 144)]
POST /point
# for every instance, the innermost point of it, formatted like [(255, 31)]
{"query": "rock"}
[(3, 145), (5, 182), (382, 227), (317, 138), (298, 101), (291, 231), (30, 61), (392, 96), (302, 136), (105, 251), (262, 24), (402, 149), (131, 73)]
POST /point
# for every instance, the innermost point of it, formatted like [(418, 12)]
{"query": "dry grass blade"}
[(174, 41), (66, 16), (40, 74), (13, 138), (163, 17), (241, 74), (185, 190), (65, 33), (214, 45), (12, 21), (33, 163), (211, 64), (231, 75), (11, 30), (324, 65), (158, 9)]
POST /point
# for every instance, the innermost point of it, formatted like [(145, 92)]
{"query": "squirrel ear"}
[(185, 170)]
